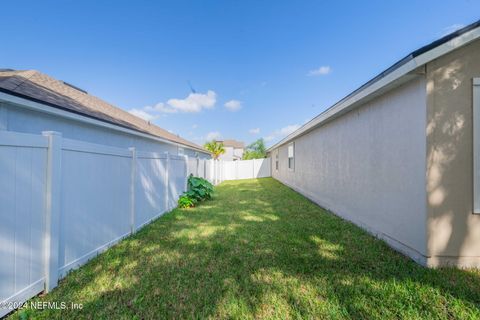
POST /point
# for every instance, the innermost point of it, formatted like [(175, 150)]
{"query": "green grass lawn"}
[(260, 250)]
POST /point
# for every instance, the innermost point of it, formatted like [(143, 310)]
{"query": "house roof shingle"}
[(34, 85), (233, 143)]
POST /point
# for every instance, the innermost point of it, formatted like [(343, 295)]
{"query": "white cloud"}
[(452, 28), (214, 135), (285, 131), (143, 114), (159, 108), (321, 71), (233, 105), (194, 102), (195, 126), (269, 138), (281, 133), (254, 131)]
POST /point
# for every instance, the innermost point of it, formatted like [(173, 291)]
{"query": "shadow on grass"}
[(260, 250)]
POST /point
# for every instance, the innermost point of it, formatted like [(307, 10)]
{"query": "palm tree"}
[(215, 147)]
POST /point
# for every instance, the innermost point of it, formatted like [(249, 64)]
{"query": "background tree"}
[(255, 150), (215, 147)]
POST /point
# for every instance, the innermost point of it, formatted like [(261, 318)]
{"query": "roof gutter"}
[(399, 73), (28, 103)]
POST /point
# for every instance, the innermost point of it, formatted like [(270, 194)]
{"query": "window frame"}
[(291, 165), (476, 145), (276, 160)]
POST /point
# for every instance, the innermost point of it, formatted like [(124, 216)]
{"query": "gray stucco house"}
[(32, 102), (233, 150), (400, 156)]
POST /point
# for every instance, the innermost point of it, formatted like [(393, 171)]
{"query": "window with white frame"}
[(181, 151), (276, 160), (476, 145), (291, 156)]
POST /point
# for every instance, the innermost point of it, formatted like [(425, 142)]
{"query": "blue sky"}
[(259, 68)]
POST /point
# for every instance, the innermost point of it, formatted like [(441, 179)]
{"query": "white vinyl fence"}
[(217, 171), (63, 201)]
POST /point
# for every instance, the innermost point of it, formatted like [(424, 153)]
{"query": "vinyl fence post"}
[(186, 172), (214, 173), (205, 169), (52, 208), (236, 170), (167, 164), (197, 166), (132, 189)]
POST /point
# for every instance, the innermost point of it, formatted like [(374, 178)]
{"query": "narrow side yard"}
[(259, 250)]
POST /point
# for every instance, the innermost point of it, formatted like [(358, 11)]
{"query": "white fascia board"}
[(388, 82), (36, 106)]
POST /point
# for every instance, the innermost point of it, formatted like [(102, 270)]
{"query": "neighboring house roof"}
[(399, 73), (39, 87), (233, 143)]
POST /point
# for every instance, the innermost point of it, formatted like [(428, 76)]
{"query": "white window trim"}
[(277, 161), (476, 145), (288, 157)]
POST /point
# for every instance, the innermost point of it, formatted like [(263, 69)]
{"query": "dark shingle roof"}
[(39, 87)]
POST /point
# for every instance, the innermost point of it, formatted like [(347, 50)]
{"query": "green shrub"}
[(199, 189), (186, 202)]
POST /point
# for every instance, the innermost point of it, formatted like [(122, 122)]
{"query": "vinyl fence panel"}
[(95, 200), (177, 177), (22, 213), (201, 168), (244, 169), (261, 168), (192, 163), (64, 201), (150, 187), (241, 169), (228, 170)]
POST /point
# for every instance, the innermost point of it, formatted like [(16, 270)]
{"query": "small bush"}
[(199, 189), (186, 202)]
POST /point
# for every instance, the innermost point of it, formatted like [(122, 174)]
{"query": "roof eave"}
[(383, 83), (33, 104)]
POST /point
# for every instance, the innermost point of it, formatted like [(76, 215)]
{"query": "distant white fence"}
[(63, 201), (217, 171)]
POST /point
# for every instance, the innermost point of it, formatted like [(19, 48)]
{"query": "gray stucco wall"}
[(15, 118), (453, 229), (231, 153), (368, 166)]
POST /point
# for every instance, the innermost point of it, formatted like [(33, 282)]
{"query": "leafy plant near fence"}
[(199, 189)]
